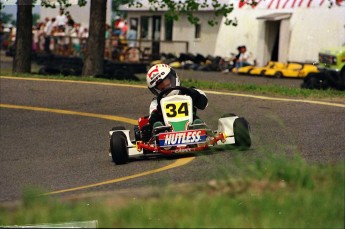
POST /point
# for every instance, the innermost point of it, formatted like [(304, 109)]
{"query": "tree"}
[(23, 42), (6, 18), (35, 18), (94, 58)]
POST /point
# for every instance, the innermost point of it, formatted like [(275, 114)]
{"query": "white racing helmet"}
[(157, 74)]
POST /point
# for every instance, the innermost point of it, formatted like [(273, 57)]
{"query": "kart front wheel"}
[(228, 115), (242, 134), (118, 148)]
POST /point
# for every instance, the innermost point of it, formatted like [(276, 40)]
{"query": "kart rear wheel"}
[(278, 75), (242, 134), (118, 128), (118, 148)]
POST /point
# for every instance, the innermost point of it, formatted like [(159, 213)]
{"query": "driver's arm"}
[(155, 113), (200, 100)]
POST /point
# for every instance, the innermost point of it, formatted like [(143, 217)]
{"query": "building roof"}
[(275, 16)]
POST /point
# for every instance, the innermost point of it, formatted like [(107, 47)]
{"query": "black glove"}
[(155, 116), (146, 132), (199, 100)]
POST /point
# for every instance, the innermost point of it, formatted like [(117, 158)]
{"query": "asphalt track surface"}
[(54, 135)]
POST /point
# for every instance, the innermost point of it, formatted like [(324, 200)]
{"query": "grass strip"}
[(268, 90), (268, 192)]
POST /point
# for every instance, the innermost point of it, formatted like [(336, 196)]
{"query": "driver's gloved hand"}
[(146, 132), (199, 100), (155, 116)]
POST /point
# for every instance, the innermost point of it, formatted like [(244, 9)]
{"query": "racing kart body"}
[(179, 134)]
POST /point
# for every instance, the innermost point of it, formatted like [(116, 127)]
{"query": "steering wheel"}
[(183, 90)]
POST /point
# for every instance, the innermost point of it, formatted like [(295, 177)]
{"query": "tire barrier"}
[(72, 66), (325, 79)]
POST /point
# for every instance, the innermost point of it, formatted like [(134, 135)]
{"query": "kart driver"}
[(161, 77)]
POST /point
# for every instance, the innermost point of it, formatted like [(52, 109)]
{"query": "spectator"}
[(61, 19), (124, 29), (244, 58), (70, 23), (41, 36), (84, 34), (47, 33), (118, 25), (35, 38), (74, 33), (107, 41), (233, 60), (132, 36), (132, 43), (53, 39), (61, 40)]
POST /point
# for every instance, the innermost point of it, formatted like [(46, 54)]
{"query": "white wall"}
[(206, 44), (315, 29)]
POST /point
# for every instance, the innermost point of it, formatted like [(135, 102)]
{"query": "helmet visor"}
[(168, 82)]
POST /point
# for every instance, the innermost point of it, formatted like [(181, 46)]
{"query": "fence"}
[(116, 49)]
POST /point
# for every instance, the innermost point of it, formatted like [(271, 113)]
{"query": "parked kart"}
[(260, 71), (294, 70), (178, 135), (243, 70)]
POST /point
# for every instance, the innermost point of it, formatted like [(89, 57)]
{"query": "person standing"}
[(61, 19), (47, 33), (132, 43)]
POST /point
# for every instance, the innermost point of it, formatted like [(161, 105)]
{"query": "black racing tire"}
[(118, 128), (278, 75), (228, 115), (262, 73), (68, 72), (118, 148), (242, 134)]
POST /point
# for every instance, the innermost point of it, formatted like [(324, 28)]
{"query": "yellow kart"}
[(243, 70), (260, 71), (293, 70)]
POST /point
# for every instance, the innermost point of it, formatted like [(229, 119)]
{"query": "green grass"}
[(267, 90), (273, 90), (269, 192)]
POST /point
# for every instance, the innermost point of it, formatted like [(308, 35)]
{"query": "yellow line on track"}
[(209, 92), (278, 99), (73, 81), (67, 112), (177, 163)]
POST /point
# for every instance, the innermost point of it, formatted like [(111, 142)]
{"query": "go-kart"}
[(178, 135)]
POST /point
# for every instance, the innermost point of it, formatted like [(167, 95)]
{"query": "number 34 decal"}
[(176, 110)]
